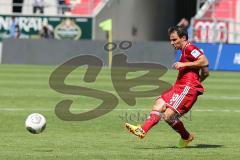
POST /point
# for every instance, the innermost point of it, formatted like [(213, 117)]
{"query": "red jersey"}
[(190, 76)]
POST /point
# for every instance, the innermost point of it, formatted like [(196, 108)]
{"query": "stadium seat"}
[(82, 7)]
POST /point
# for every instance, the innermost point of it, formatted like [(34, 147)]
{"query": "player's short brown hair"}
[(181, 31)]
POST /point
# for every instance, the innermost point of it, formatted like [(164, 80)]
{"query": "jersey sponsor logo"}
[(195, 53)]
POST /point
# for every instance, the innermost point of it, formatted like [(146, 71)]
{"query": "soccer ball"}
[(35, 123)]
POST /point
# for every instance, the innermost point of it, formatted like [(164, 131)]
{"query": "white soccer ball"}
[(35, 123)]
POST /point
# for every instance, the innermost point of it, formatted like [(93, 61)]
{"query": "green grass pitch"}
[(24, 89)]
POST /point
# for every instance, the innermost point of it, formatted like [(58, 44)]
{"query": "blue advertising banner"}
[(221, 56)]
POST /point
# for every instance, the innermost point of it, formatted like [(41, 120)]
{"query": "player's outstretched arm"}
[(204, 73)]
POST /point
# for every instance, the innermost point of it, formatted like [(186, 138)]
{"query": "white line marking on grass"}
[(117, 109), (220, 97)]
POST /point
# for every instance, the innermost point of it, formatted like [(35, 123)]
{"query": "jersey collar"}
[(183, 50)]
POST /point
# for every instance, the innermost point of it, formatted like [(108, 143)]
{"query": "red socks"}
[(178, 126), (152, 120)]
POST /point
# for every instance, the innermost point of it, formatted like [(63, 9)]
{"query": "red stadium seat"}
[(85, 7)]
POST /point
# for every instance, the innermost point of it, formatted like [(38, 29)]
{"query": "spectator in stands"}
[(61, 4), (17, 32), (14, 29), (38, 5), (46, 32), (185, 23), (62, 7)]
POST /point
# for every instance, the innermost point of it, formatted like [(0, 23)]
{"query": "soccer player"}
[(179, 99)]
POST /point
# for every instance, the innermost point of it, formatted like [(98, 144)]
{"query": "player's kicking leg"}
[(154, 117), (178, 126), (183, 143), (136, 130)]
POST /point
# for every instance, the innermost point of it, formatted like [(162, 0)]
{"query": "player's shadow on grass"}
[(43, 150), (206, 146), (195, 146)]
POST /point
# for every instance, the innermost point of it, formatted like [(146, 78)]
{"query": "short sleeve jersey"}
[(190, 76)]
